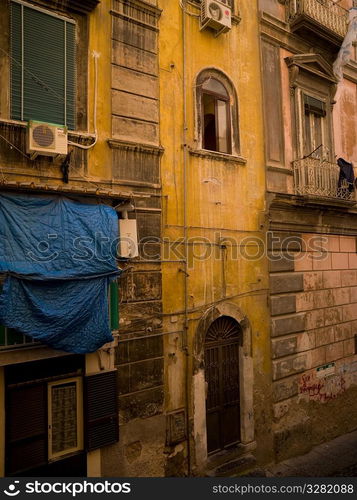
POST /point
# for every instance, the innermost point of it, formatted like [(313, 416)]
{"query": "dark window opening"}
[(216, 117), (315, 115)]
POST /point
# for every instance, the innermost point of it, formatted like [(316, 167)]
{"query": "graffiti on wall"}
[(322, 389)]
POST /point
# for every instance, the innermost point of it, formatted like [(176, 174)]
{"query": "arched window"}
[(217, 116)]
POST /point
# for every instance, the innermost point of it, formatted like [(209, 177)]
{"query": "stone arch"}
[(223, 309)]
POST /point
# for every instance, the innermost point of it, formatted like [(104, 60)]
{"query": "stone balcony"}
[(319, 19), (316, 178)]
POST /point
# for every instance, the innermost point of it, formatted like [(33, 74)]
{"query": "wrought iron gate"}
[(222, 344)]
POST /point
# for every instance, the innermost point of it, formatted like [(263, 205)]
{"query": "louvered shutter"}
[(42, 66), (26, 424), (101, 409)]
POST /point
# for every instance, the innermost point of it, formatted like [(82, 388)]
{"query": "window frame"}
[(325, 142), (61, 72), (233, 133), (79, 414), (311, 75), (318, 93), (81, 81), (217, 97)]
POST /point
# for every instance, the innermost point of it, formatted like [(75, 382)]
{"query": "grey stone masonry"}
[(280, 263), (283, 305), (289, 324), (285, 283), (285, 389), (289, 366), (284, 347)]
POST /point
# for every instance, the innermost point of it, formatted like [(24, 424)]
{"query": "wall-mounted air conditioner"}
[(46, 139), (217, 15)]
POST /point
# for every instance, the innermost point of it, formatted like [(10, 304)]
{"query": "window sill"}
[(215, 155), (75, 134), (282, 170)]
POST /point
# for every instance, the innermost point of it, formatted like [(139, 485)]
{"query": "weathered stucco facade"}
[(235, 345), (213, 208)]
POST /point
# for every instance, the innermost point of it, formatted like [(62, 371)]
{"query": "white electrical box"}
[(128, 234)]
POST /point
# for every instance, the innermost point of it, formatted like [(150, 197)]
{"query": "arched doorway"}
[(222, 343)]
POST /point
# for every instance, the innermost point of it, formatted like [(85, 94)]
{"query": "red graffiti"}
[(322, 390)]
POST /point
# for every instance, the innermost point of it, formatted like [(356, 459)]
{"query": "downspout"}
[(114, 305), (185, 347)]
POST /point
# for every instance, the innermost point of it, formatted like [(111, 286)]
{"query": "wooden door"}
[(223, 340)]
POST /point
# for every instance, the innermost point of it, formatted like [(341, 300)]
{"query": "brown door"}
[(223, 340)]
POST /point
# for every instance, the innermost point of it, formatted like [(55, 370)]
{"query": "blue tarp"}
[(60, 256)]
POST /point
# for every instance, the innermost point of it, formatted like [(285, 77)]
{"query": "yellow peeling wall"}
[(99, 160), (223, 200)]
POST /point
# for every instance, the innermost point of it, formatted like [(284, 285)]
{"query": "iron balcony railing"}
[(319, 178), (325, 12)]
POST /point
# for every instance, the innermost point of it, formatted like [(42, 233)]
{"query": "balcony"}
[(319, 19), (318, 178)]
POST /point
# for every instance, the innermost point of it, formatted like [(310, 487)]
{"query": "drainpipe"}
[(114, 306), (185, 347)]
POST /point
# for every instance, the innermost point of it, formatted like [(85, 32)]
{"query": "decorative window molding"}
[(313, 88), (215, 155)]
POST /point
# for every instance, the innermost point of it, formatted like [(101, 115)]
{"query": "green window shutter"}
[(42, 67), (16, 56), (71, 75)]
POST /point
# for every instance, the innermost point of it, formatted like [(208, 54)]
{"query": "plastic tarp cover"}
[(59, 256)]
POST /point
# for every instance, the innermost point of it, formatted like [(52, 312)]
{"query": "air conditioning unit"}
[(46, 139), (216, 14)]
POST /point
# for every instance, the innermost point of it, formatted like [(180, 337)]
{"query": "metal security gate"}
[(223, 340)]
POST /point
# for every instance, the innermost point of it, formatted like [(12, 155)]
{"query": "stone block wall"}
[(136, 169), (313, 334)]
